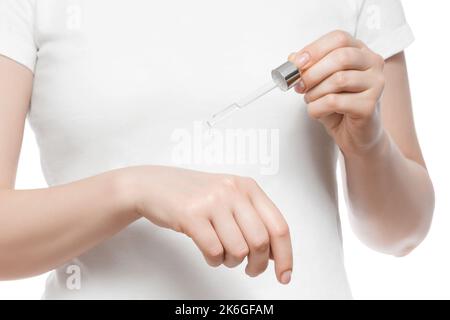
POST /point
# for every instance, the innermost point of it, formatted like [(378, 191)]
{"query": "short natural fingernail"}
[(301, 86), (286, 277), (302, 60)]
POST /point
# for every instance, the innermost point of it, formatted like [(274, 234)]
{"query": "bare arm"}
[(40, 229), (364, 103), (229, 218), (389, 191)]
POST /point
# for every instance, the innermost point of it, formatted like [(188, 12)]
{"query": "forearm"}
[(391, 198), (41, 229)]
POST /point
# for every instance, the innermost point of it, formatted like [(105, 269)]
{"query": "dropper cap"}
[(286, 76)]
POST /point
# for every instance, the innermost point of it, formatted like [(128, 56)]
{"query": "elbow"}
[(404, 247), (406, 238), (397, 244), (406, 250), (419, 230), (396, 238), (397, 232), (421, 220)]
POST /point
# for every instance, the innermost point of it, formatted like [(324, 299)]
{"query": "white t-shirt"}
[(128, 82)]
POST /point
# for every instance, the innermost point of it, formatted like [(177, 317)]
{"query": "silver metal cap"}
[(286, 76)]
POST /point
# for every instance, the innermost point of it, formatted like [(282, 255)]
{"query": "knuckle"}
[(341, 79), (258, 269), (312, 112), (359, 43), (229, 183), (240, 254), (223, 189), (250, 182), (261, 245), (186, 228), (194, 210), (342, 38), (231, 263), (281, 230), (332, 100), (214, 252), (213, 263), (190, 209), (344, 57)]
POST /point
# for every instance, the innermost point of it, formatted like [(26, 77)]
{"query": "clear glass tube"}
[(240, 104)]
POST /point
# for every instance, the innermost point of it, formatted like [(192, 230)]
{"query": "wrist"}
[(376, 152), (124, 192)]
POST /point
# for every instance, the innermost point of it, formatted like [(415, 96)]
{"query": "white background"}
[(424, 274)]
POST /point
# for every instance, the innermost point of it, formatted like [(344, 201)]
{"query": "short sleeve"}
[(16, 31), (382, 26)]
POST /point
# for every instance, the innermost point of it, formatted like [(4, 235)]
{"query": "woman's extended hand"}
[(343, 80), (228, 217)]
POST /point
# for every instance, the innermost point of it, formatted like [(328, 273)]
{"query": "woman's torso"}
[(121, 83)]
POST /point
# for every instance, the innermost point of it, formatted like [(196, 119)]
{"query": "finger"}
[(280, 239), (315, 51), (206, 239), (352, 104), (233, 241), (256, 236), (351, 81), (339, 60)]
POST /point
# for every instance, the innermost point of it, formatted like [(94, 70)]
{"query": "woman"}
[(114, 90)]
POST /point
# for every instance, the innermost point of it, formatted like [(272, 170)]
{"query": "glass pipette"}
[(232, 108), (284, 77)]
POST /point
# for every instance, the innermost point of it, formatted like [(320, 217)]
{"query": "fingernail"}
[(286, 277), (301, 86), (302, 60)]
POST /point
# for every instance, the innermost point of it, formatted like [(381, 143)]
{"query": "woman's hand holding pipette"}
[(343, 81), (365, 105)]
